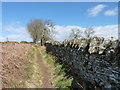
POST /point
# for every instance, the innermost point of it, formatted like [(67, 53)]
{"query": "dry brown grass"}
[(14, 60)]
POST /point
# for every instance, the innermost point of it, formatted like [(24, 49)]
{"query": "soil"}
[(46, 83), (13, 61), (13, 58)]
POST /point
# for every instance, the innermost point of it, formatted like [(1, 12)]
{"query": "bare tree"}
[(75, 33), (7, 39), (40, 29), (89, 31)]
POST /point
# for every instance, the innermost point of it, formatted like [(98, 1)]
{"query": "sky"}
[(102, 16)]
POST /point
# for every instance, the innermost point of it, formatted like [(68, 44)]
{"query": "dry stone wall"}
[(96, 60)]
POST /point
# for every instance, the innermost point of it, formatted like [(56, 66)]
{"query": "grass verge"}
[(59, 78), (32, 70)]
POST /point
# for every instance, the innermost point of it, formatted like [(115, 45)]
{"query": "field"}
[(14, 60), (23, 66), (26, 65)]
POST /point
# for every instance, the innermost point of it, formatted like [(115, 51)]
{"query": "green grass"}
[(29, 70), (34, 48), (33, 69), (64, 83), (14, 85), (31, 56), (29, 65), (59, 79)]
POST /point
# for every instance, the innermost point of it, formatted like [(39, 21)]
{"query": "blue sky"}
[(61, 13), (15, 16)]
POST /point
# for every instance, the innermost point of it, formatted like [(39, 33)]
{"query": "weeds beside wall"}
[(95, 60)]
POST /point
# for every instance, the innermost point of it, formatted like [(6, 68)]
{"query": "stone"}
[(95, 59)]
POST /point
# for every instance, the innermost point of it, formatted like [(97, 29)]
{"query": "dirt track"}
[(46, 83)]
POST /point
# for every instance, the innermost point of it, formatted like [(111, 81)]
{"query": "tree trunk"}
[(34, 40), (41, 42)]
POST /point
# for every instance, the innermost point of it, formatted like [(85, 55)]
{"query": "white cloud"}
[(19, 37), (96, 10), (111, 12), (16, 29), (16, 33), (2, 38), (107, 31), (15, 37), (63, 32)]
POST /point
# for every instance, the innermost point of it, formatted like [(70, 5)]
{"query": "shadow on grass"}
[(77, 82)]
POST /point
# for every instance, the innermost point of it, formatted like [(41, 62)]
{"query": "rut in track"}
[(46, 74)]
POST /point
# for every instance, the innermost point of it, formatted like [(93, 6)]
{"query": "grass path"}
[(34, 72), (51, 74), (46, 74), (59, 78)]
